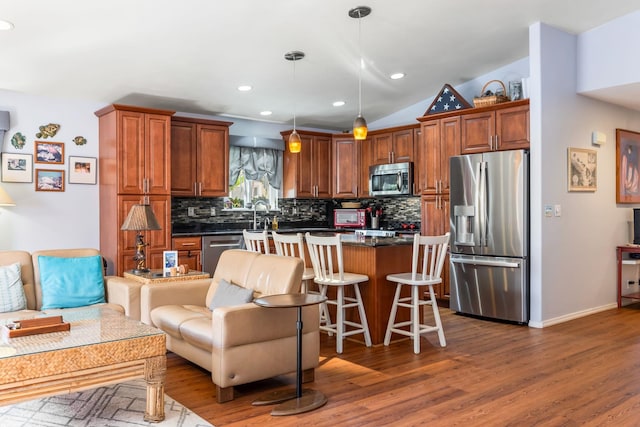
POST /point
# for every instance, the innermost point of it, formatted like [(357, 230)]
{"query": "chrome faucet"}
[(259, 202), (267, 223)]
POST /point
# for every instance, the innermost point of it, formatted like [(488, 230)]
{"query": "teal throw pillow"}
[(227, 294), (12, 296), (71, 282)]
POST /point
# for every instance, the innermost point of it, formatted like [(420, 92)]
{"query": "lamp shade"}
[(360, 128), (295, 143), (140, 218), (5, 199)]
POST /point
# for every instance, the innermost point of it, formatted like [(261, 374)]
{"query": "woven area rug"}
[(118, 405)]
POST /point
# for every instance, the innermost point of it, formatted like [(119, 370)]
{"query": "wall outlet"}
[(213, 211), (191, 211)]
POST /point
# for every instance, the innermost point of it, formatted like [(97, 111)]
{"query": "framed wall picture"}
[(17, 167), (82, 170), (170, 262), (582, 167), (49, 180), (627, 166), (49, 152)]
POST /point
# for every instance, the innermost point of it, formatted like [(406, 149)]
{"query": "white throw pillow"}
[(12, 296), (227, 294)]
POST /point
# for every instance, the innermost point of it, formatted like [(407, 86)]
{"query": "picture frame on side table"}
[(82, 170), (49, 180), (169, 263), (17, 167), (49, 152), (582, 169), (627, 166)]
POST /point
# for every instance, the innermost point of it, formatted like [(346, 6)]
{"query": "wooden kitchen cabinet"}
[(157, 241), (439, 140), (189, 251), (308, 174), (395, 145), (345, 162), (365, 157), (200, 152), (435, 222), (499, 127), (135, 141), (134, 167)]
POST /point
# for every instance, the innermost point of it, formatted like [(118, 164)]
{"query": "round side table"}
[(301, 400)]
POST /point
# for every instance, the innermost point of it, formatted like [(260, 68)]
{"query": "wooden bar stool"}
[(432, 251), (293, 245), (324, 251), (256, 241)]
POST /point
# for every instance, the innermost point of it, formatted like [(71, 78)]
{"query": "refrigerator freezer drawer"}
[(490, 287)]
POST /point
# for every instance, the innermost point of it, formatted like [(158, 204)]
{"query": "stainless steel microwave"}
[(392, 179)]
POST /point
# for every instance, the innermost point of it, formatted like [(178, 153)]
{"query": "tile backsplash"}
[(292, 212)]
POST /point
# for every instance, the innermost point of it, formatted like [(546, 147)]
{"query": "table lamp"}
[(140, 218)]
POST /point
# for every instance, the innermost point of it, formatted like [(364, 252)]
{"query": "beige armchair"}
[(242, 343)]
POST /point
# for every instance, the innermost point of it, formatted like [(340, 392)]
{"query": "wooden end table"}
[(291, 402), (103, 347)]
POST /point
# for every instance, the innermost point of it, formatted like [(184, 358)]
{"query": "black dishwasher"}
[(213, 246)]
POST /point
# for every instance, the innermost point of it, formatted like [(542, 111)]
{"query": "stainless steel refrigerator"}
[(489, 249)]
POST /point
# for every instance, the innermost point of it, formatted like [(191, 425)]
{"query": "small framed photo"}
[(82, 170), (170, 262), (49, 180), (17, 167), (49, 152), (582, 168)]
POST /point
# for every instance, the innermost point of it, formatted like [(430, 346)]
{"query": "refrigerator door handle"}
[(482, 203), (487, 263)]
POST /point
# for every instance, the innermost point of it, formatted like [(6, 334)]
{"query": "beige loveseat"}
[(242, 343), (120, 294)]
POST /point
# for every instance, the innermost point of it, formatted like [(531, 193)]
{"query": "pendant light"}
[(295, 143), (360, 124)]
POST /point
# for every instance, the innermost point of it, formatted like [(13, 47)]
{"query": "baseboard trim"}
[(571, 316)]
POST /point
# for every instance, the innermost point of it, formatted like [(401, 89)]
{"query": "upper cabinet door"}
[(183, 159), (402, 146), (345, 158), (478, 131), (381, 148), (157, 154), (131, 152), (322, 166), (512, 127), (213, 161)]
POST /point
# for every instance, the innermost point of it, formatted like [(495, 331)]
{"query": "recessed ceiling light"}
[(265, 113), (244, 88), (396, 76), (338, 103), (5, 25)]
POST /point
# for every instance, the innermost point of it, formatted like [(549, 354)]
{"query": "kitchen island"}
[(378, 257)]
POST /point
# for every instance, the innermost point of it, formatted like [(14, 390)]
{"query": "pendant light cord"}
[(360, 65), (294, 94)]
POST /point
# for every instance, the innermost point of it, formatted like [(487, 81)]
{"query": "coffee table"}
[(103, 347)]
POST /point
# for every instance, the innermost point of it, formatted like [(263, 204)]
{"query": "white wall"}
[(573, 256), (49, 220)]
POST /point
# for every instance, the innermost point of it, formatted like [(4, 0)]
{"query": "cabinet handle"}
[(200, 189), (188, 244), (497, 136)]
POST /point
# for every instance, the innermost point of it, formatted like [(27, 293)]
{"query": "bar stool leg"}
[(392, 315), (363, 316), (340, 319), (325, 317), (415, 317), (436, 316)]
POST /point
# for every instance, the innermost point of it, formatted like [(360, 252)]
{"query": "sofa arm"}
[(188, 292), (124, 292), (249, 323)]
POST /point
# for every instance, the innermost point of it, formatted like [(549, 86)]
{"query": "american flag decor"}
[(447, 100)]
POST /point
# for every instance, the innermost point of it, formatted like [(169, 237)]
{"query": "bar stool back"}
[(432, 251), (256, 241), (326, 257), (293, 245)]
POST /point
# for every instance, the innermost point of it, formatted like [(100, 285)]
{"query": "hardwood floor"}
[(583, 372)]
